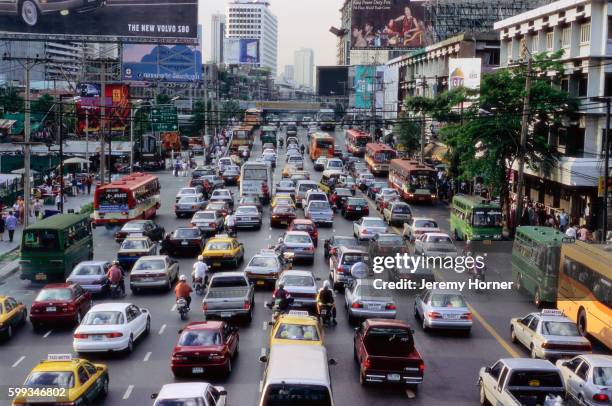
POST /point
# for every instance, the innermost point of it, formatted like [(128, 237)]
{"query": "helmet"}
[(182, 278), (115, 262), (200, 258), (281, 285), (326, 284), (280, 240)]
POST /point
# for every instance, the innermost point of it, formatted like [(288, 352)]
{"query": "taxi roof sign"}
[(59, 357), (298, 313), (552, 312), (359, 270)]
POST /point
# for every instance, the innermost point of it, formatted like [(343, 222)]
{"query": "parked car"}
[(209, 222), (154, 272), (133, 248), (397, 212), (587, 378), (140, 228), (300, 244), (91, 276), (301, 286), (183, 241), (60, 304), (188, 205), (442, 309), (248, 217), (364, 301), (229, 295), (367, 227)]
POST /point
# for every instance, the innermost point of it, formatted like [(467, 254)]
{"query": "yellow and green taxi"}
[(223, 250), (296, 327), (12, 315), (282, 199), (63, 380)]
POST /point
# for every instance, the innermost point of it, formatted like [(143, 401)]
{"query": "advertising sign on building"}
[(241, 51), (367, 85), (89, 103), (464, 72), (389, 24), (169, 63), (391, 90)]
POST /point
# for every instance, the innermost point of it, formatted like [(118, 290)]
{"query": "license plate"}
[(146, 279), (216, 263), (374, 307), (260, 282), (486, 242), (97, 338), (184, 243), (358, 209), (51, 309), (284, 223), (393, 377), (421, 198), (114, 221), (197, 370), (451, 316), (226, 314), (41, 277)]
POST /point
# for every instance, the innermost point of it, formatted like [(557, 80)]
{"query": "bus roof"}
[(358, 133), (322, 135), (377, 147), (546, 235), (410, 165), (601, 253), (58, 221), (474, 201), (130, 181)]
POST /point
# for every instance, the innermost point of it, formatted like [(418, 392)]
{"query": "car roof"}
[(183, 390), (298, 233), (204, 325), (298, 319), (371, 218), (425, 218), (134, 238), (220, 239), (296, 362), (437, 234), (529, 363), (92, 263), (139, 221), (547, 317), (109, 307), (206, 211), (247, 206), (153, 257), (303, 221), (351, 250), (230, 273), (597, 360)]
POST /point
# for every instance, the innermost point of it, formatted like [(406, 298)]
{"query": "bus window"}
[(487, 218), (41, 240)]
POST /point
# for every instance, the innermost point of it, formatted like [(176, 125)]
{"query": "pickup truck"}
[(385, 352), (228, 295), (520, 381)]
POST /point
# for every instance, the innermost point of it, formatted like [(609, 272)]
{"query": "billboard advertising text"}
[(368, 79), (170, 63), (389, 24), (464, 72), (241, 51), (116, 19), (89, 103)]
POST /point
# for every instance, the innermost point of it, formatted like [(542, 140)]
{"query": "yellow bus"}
[(584, 292)]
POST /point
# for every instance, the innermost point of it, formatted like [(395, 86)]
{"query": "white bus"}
[(256, 179)]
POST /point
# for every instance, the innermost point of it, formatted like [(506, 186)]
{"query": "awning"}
[(6, 124)]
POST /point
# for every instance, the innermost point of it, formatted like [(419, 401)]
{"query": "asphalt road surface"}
[(452, 361)]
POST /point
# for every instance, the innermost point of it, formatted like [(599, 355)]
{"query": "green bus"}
[(52, 247), (474, 218), (535, 262), (268, 134)]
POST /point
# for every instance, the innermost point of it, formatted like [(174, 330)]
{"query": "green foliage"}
[(196, 123), (409, 132), (42, 105), (231, 109), (10, 100), (87, 208)]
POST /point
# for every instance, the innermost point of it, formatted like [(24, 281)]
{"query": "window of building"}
[(566, 37), (534, 43), (549, 41), (585, 33), (610, 27), (583, 84)]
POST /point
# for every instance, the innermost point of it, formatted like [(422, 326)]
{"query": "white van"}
[(301, 188)]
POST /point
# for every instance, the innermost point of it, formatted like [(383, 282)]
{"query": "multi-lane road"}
[(452, 361)]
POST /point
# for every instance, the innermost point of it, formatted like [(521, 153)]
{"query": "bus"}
[(535, 262), (474, 218), (326, 119), (132, 197), (242, 135), (585, 288), (253, 116), (356, 142), (52, 247), (415, 182), (321, 144), (256, 179), (378, 157)]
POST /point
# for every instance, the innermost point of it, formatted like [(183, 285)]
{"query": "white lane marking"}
[(128, 392), (162, 329), (147, 356), (48, 333), (18, 361), (173, 308), (265, 325), (260, 386)]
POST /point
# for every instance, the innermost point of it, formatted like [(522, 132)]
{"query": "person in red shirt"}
[(183, 290), (115, 276)]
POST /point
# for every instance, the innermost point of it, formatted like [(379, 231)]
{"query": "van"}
[(301, 188), (296, 374), (313, 195)]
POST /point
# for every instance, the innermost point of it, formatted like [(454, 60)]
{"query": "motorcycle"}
[(477, 274), (277, 309), (116, 291), (231, 231), (198, 286), (181, 307), (325, 314)]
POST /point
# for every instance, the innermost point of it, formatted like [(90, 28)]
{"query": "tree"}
[(231, 109), (408, 133), (43, 105), (196, 123), (10, 101)]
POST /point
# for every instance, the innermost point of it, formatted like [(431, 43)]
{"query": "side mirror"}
[(332, 361), (487, 370), (154, 396), (263, 359), (223, 392), (144, 310)]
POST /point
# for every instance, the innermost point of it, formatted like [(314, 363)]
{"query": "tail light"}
[(179, 357), (80, 336), (310, 249), (357, 305), (113, 335), (350, 207), (315, 234), (205, 306), (601, 397), (434, 315), (159, 275), (421, 367), (367, 363), (69, 308), (466, 316), (246, 305), (340, 270), (390, 306)]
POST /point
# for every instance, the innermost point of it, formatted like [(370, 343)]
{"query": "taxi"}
[(223, 250), (133, 248), (282, 200), (12, 315), (64, 380), (296, 327)]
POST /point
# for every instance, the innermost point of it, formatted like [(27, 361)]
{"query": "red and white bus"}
[(132, 197), (414, 181), (378, 157), (356, 142)]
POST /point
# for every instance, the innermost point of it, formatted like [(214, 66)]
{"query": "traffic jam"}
[(252, 281)]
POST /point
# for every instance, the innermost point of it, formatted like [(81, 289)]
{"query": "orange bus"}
[(253, 116), (132, 197), (584, 292), (321, 144), (378, 157), (242, 135), (414, 181), (356, 142)]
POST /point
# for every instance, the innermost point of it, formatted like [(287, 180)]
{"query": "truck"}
[(385, 352), (520, 381), (326, 119), (229, 295)]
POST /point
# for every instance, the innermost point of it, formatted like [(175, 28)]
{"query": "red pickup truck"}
[(386, 353)]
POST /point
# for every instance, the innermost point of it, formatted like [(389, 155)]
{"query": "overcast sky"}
[(301, 23)]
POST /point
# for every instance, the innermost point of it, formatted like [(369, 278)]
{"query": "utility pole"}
[(521, 153), (423, 87), (606, 144), (205, 102), (103, 123)]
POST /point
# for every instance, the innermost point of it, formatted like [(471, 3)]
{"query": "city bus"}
[(52, 247), (253, 116), (378, 157), (256, 179), (474, 218), (132, 197), (535, 262), (321, 144), (242, 135), (585, 288), (326, 119), (356, 142), (414, 181)]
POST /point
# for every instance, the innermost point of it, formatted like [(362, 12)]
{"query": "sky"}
[(301, 24)]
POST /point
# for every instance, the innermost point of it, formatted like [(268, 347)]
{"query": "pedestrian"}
[(58, 201), (177, 168), (11, 225), (184, 168), (88, 182), (563, 220), (75, 186), (571, 231), (2, 226), (38, 205), (583, 233), (21, 213), (531, 214)]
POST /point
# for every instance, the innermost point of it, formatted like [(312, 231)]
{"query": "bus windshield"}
[(113, 197), (384, 156), (41, 240), (325, 143), (487, 218), (361, 141), (255, 174)]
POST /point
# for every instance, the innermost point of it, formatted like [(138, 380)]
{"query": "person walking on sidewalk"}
[(1, 226), (11, 225), (88, 182), (38, 205)]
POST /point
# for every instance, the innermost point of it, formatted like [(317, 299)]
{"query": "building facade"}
[(303, 62), (217, 34)]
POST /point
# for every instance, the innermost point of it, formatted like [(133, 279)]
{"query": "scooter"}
[(181, 307), (325, 314), (198, 286), (116, 291), (276, 308)]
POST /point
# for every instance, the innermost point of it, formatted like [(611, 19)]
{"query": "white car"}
[(111, 327), (334, 164), (297, 161), (588, 378), (188, 191), (190, 393), (435, 245), (367, 227), (419, 225), (365, 180)]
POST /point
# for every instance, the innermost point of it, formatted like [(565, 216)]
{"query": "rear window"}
[(200, 338), (297, 239), (439, 240), (357, 202), (103, 318), (41, 240), (602, 376), (556, 328), (134, 226), (218, 246), (133, 245), (425, 224), (266, 262), (535, 379), (402, 209), (204, 216), (449, 301), (228, 282), (390, 341), (307, 186), (296, 395), (84, 270), (350, 259), (298, 280), (54, 294), (150, 264), (390, 240), (303, 227), (186, 233)]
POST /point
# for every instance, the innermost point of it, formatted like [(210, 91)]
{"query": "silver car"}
[(264, 267), (302, 287), (319, 212), (588, 378), (91, 275), (208, 221), (248, 217), (154, 272), (188, 205), (367, 227), (222, 195), (397, 212), (435, 245), (364, 301), (300, 244), (442, 309), (189, 191)]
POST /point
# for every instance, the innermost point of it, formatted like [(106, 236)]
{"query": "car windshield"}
[(229, 282), (425, 224), (283, 209), (150, 264), (53, 294), (297, 332), (204, 216), (102, 318), (50, 379), (302, 227), (133, 245), (374, 223), (285, 183), (390, 240), (559, 328), (181, 402), (84, 270), (435, 239), (447, 300), (186, 233), (356, 202), (334, 164), (487, 218), (188, 199), (41, 240), (401, 208), (218, 246), (221, 193), (297, 239), (265, 262), (602, 376), (296, 394), (298, 280), (133, 227), (200, 338)]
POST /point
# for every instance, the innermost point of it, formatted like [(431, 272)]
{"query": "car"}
[(331, 244), (320, 213), (140, 228), (339, 195), (190, 393), (133, 248), (387, 244), (314, 195), (188, 205), (334, 164), (282, 216), (13, 314), (223, 163), (268, 150), (385, 197), (248, 217), (397, 212), (301, 286), (265, 267), (419, 276), (188, 191), (186, 241), (229, 295), (306, 120), (364, 301), (60, 304), (442, 309), (222, 208), (367, 227), (340, 263), (375, 188), (282, 199), (222, 195), (223, 250), (355, 207), (111, 327), (358, 168), (205, 348), (296, 160), (419, 225), (302, 187), (300, 244), (348, 182), (86, 382), (319, 164), (291, 129), (214, 182), (338, 152), (154, 272), (251, 200), (364, 180), (296, 177), (268, 145), (296, 328), (269, 157), (549, 335), (587, 378), (285, 186), (231, 175), (207, 221), (435, 245), (91, 276), (305, 225), (202, 171)]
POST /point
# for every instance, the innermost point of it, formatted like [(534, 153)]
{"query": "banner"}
[(389, 24), (464, 72), (178, 63), (241, 51), (117, 102), (366, 80)]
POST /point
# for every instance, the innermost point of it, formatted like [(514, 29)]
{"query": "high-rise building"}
[(254, 19), (303, 61), (217, 34), (289, 72)]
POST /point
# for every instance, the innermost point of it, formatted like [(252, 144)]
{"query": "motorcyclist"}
[(280, 142), (302, 149), (183, 290), (115, 276), (467, 249), (325, 297), (282, 295), (230, 224), (200, 269)]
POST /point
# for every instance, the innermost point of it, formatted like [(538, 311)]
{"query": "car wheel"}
[(582, 322), (237, 351), (148, 327), (424, 325), (29, 12), (24, 318), (104, 390), (532, 352), (9, 332), (482, 396), (513, 335), (130, 346), (78, 318)]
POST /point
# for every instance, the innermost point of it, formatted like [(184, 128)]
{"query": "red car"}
[(282, 216), (305, 225), (60, 304), (205, 347)]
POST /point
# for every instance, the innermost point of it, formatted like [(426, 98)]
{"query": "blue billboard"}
[(171, 63), (241, 51)]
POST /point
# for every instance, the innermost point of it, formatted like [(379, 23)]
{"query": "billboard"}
[(117, 102), (464, 72), (332, 80), (391, 89), (171, 63), (389, 24), (240, 51), (114, 19), (368, 79)]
